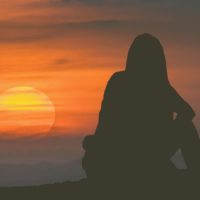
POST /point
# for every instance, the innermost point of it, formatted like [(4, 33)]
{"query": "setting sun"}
[(25, 111)]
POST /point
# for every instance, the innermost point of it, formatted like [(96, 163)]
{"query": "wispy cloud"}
[(126, 2), (19, 32)]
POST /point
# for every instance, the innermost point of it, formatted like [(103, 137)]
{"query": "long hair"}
[(146, 60)]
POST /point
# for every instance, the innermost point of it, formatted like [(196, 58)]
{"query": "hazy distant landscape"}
[(44, 173), (35, 161)]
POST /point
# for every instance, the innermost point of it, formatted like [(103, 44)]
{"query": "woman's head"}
[(146, 59)]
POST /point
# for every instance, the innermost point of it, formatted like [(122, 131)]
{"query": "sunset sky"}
[(67, 50)]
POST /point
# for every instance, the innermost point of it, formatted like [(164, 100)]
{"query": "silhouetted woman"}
[(143, 121)]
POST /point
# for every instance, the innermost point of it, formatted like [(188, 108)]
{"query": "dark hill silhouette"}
[(143, 121)]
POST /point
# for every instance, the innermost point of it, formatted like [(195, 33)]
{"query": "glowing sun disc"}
[(25, 111)]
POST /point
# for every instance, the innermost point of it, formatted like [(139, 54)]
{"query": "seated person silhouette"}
[(138, 131)]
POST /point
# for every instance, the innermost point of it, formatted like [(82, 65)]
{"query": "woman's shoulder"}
[(115, 82), (118, 76)]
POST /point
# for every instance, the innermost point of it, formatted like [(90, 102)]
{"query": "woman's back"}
[(137, 120)]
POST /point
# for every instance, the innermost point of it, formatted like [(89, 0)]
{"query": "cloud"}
[(19, 32), (60, 64), (61, 61), (138, 3), (180, 31), (42, 24)]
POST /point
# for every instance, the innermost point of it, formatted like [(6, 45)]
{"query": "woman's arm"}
[(181, 107), (190, 147), (188, 135)]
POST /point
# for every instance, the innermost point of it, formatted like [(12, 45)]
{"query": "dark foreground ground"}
[(80, 190), (84, 191), (57, 191)]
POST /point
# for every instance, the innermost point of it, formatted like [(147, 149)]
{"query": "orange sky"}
[(69, 50)]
